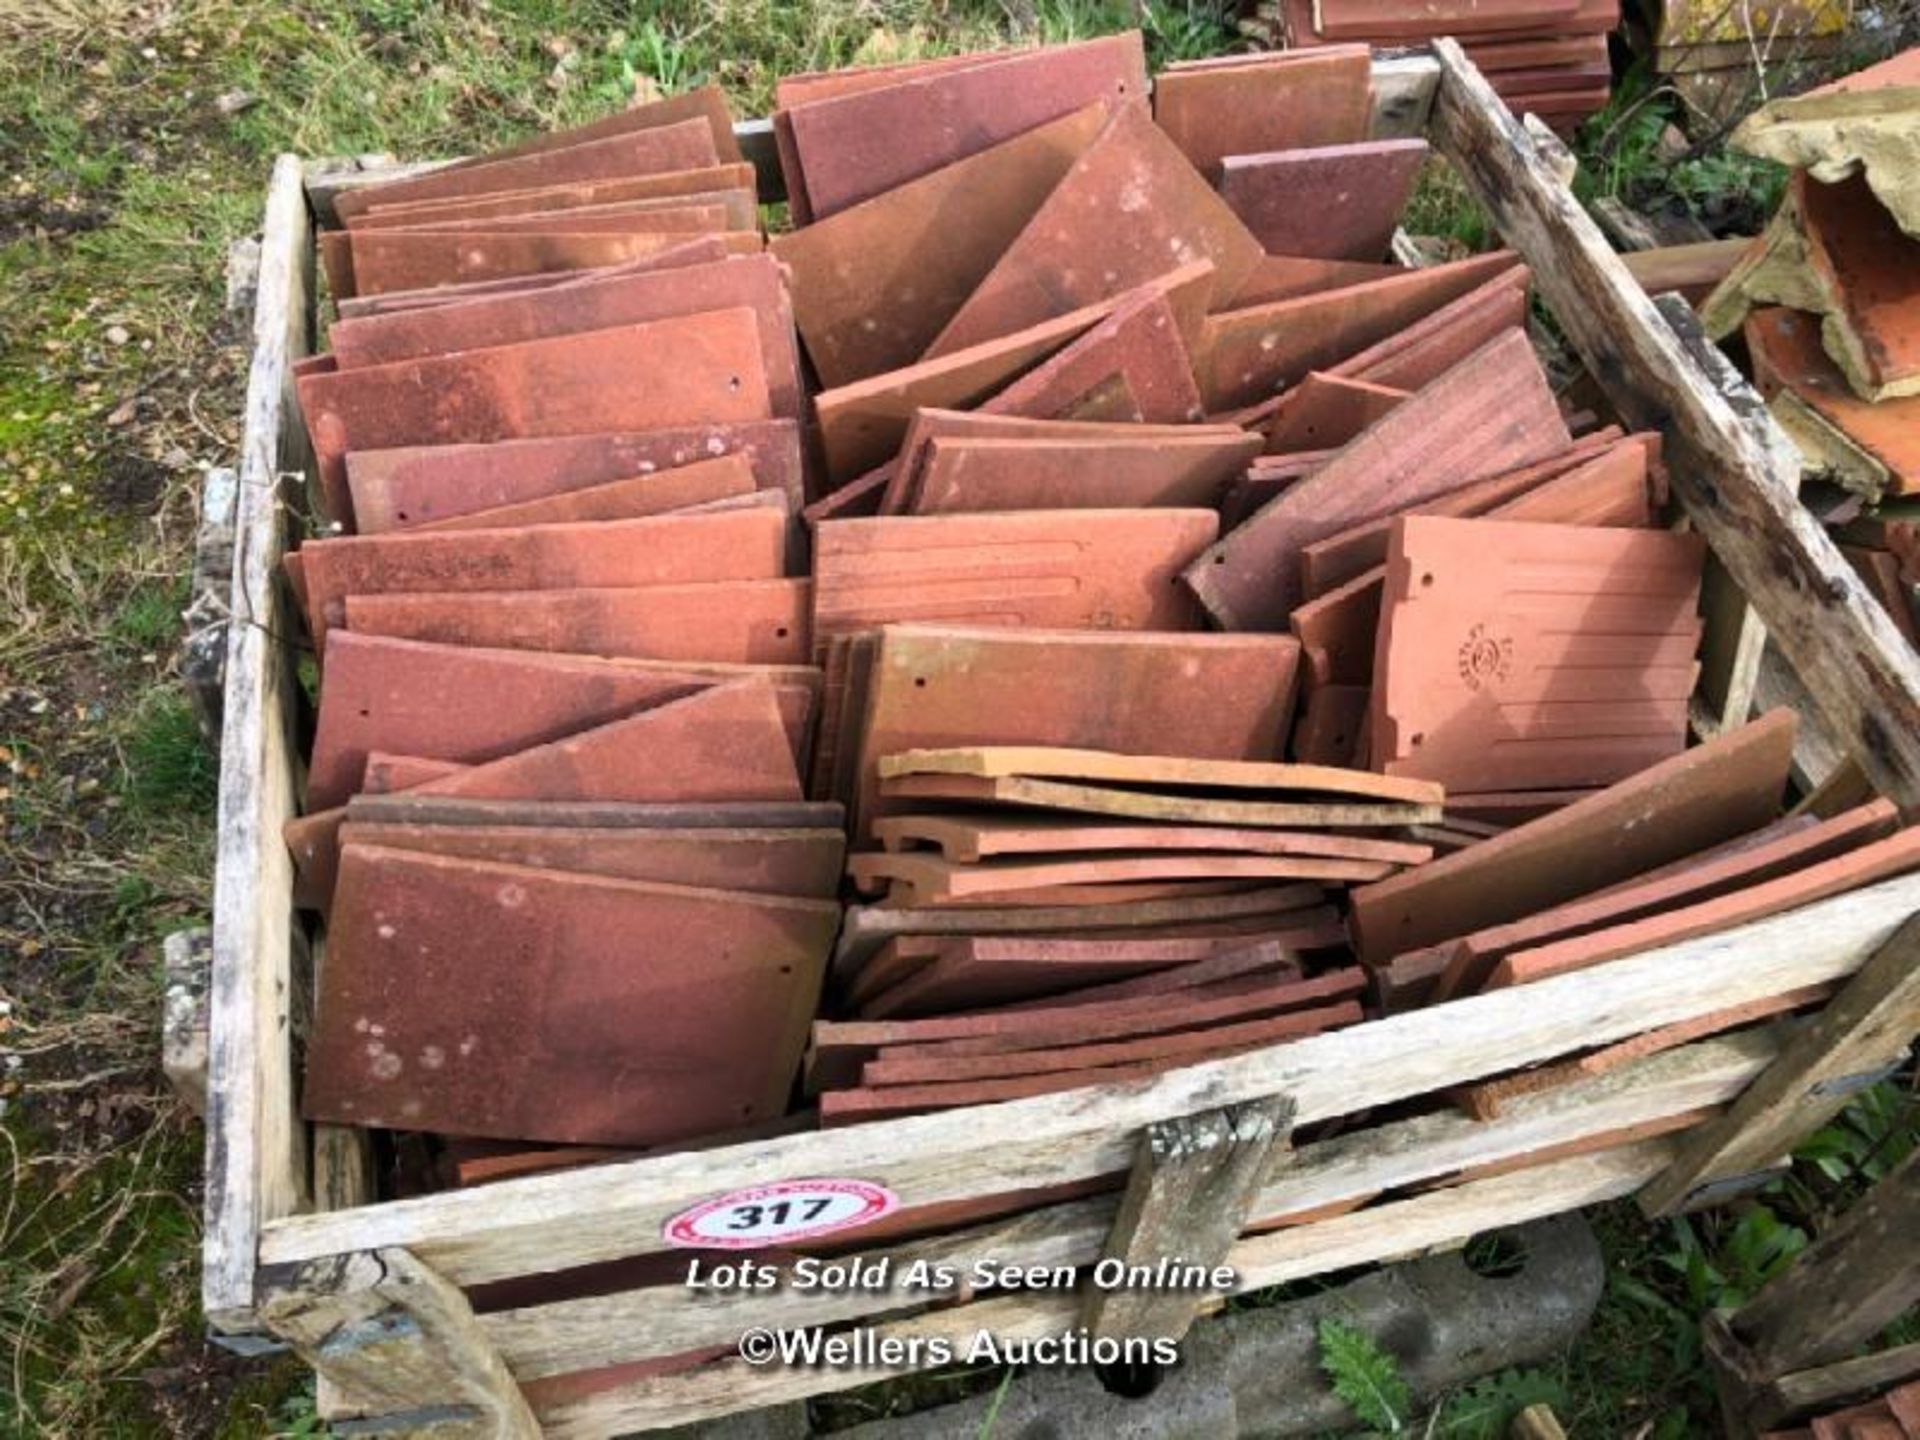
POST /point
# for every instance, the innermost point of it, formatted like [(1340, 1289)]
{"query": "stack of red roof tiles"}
[(1199, 629), (1547, 57)]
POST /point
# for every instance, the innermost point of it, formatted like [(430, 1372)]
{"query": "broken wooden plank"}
[(1187, 1200), (1867, 1027)]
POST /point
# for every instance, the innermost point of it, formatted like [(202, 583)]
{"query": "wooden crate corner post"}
[(1188, 1197), (257, 1160), (392, 1340), (1402, 96), (1863, 1031), (1735, 639), (1791, 1350)]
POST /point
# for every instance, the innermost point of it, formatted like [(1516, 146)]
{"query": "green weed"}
[(1626, 153), (1640, 1364), (1173, 29), (992, 1417), (99, 1275), (1177, 32), (1366, 1376), (44, 125), (50, 460), (652, 61), (1713, 182), (299, 1417), (1758, 1246), (1486, 1408), (1619, 148), (1864, 1142), (23, 800)]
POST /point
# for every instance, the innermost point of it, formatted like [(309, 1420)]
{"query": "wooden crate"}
[(373, 1293)]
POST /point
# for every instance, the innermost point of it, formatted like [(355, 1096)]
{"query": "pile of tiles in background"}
[(1547, 57), (1199, 630)]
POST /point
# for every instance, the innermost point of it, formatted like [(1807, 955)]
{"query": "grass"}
[(147, 620), (167, 767), (133, 148), (1441, 206)]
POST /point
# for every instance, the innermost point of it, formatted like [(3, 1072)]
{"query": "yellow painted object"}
[(1687, 23), (1726, 56)]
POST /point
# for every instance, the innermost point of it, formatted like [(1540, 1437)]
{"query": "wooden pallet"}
[(374, 1294)]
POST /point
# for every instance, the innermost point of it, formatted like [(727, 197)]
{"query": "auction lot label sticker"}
[(779, 1214)]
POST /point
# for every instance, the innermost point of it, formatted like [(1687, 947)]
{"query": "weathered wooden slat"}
[(1753, 1403), (1402, 92), (1858, 667), (1735, 637), (1806, 1392), (571, 1335), (1444, 1217), (1816, 758), (1868, 1024), (389, 1335), (1846, 1287), (343, 1165), (550, 1222), (1188, 1195), (342, 1168), (256, 1162), (1790, 1350), (1403, 1228)]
